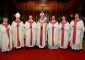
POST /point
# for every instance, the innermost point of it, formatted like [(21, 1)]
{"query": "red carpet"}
[(43, 54)]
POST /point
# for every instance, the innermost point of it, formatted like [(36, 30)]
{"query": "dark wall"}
[(9, 7)]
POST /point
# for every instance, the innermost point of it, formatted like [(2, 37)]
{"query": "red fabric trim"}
[(74, 31), (62, 33), (31, 22), (8, 33)]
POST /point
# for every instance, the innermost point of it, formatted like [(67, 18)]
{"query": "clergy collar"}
[(17, 21), (4, 23), (77, 19), (41, 20), (63, 22), (53, 21), (30, 20)]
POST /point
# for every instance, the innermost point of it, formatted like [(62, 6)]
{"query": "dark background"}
[(33, 7), (56, 7)]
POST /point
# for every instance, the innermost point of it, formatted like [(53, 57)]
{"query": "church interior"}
[(34, 7), (57, 8)]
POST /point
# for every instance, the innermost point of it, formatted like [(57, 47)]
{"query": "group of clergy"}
[(53, 34)]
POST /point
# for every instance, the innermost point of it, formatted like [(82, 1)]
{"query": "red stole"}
[(18, 41), (53, 31), (62, 33), (31, 22), (41, 34), (8, 33), (74, 31)]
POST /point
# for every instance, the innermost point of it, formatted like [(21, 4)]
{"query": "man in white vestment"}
[(64, 34), (41, 32), (6, 36), (30, 32), (53, 34), (77, 33), (18, 32)]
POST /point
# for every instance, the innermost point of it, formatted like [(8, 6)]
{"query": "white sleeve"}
[(47, 27), (71, 24), (3, 30), (13, 25), (26, 26), (81, 25), (67, 27), (60, 26), (22, 26)]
